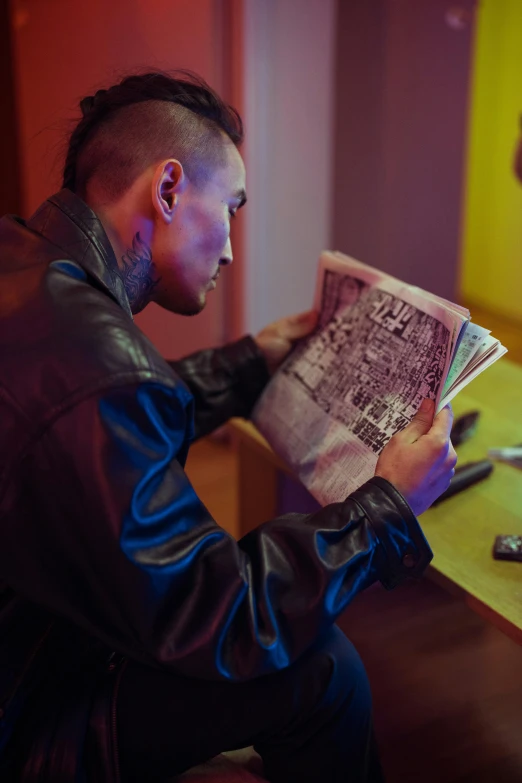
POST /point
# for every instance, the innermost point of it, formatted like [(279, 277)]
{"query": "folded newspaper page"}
[(380, 347)]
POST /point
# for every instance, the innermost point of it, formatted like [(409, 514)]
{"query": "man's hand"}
[(420, 460), (276, 340)]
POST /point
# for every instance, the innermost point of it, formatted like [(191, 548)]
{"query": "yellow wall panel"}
[(491, 271)]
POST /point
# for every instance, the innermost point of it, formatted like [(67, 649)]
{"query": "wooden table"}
[(460, 530)]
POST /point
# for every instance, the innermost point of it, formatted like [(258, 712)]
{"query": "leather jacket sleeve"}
[(123, 547), (224, 382)]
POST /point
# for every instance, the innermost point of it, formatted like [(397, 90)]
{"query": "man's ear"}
[(168, 182)]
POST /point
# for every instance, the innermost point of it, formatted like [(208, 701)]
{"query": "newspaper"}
[(380, 347)]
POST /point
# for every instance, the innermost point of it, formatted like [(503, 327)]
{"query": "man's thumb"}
[(300, 325), (421, 422)]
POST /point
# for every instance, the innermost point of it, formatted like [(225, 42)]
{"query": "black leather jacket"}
[(105, 546)]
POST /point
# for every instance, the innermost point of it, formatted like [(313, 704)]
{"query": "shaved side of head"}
[(141, 121), (138, 136)]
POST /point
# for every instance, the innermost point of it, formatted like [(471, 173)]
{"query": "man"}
[(138, 638)]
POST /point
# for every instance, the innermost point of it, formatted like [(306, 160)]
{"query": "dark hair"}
[(119, 135)]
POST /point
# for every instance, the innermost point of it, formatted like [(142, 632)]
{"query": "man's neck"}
[(131, 245), (138, 274)]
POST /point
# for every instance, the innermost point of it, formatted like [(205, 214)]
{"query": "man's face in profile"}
[(190, 251)]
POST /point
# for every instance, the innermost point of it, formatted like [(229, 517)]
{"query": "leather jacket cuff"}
[(407, 553)]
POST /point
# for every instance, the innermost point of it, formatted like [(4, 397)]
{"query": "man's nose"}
[(227, 257)]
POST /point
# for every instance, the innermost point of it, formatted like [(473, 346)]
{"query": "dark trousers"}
[(310, 723)]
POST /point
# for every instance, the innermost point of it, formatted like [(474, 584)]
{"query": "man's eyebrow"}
[(241, 197)]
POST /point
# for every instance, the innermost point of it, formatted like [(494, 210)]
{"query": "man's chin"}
[(194, 307), (196, 310), (186, 307)]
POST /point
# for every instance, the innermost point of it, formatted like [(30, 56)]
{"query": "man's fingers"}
[(302, 317), (421, 422), (300, 325), (443, 422)]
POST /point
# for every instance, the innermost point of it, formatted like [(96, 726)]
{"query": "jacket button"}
[(409, 560)]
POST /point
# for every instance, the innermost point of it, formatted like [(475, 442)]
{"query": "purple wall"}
[(402, 96)]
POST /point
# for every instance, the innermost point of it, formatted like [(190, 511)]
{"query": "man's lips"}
[(213, 280)]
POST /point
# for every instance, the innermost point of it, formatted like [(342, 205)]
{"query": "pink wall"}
[(65, 50)]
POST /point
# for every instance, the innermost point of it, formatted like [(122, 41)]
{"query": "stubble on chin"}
[(194, 309), (173, 301)]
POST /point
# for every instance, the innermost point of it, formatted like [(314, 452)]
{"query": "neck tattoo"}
[(138, 274)]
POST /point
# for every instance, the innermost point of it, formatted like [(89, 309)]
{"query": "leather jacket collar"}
[(70, 224)]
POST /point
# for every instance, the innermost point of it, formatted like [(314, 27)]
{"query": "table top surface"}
[(462, 530)]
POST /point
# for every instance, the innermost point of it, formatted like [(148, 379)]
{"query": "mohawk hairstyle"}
[(142, 120)]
